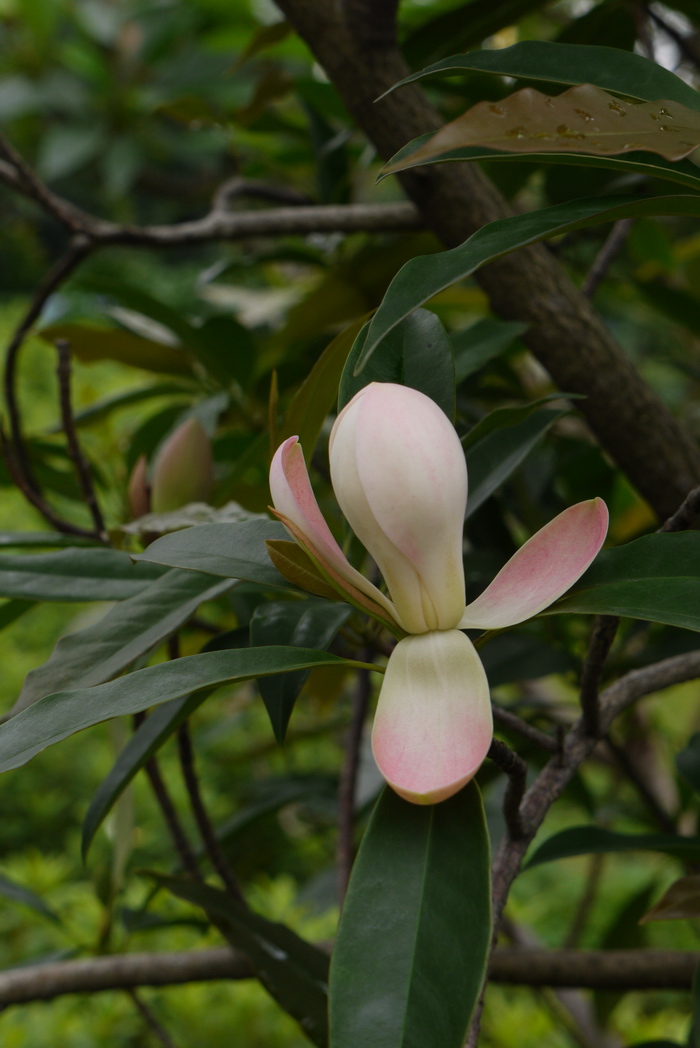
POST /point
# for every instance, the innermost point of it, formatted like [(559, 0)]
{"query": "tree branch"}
[(564, 332), (594, 969)]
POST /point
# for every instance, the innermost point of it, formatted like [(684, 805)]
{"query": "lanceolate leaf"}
[(681, 901), (15, 892), (614, 70), (594, 840), (423, 277), (417, 353), (584, 119), (316, 396), (303, 624), (684, 172), (143, 744), (499, 453), (49, 539), (415, 929), (475, 346), (132, 628), (656, 578), (55, 717), (234, 551), (94, 343), (294, 972), (74, 575)]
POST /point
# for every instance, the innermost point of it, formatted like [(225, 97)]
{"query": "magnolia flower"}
[(399, 475)]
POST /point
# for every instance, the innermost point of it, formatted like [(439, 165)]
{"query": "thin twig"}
[(31, 185), (514, 723), (608, 252), (81, 464), (151, 1021), (348, 777), (586, 902), (162, 795), (516, 770), (236, 187), (57, 275), (602, 637), (687, 515), (206, 830)]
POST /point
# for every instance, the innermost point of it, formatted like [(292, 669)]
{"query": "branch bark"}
[(593, 969), (565, 333)]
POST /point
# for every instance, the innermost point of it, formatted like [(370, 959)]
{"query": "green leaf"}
[(423, 277), (465, 26), (688, 762), (684, 172), (656, 577), (416, 353), (477, 345), (316, 396), (236, 551), (504, 418), (76, 574), (17, 893), (292, 971), (11, 610), (103, 408), (680, 902), (55, 717), (594, 840), (491, 460), (130, 629), (143, 744), (608, 67), (302, 624), (89, 343), (20, 539), (415, 929)]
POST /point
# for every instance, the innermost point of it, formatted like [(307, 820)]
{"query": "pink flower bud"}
[(183, 470)]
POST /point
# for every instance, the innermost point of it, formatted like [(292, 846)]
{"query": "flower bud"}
[(400, 478), (183, 470), (138, 494)]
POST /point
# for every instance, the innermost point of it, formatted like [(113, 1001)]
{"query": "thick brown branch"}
[(596, 969), (564, 332)]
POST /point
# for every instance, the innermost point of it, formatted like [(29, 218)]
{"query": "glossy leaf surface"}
[(74, 575), (415, 929)]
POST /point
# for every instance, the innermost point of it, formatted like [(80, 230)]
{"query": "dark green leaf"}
[(416, 353), (415, 929), (498, 454), (475, 346), (688, 762), (504, 418), (302, 624), (50, 539), (614, 70), (11, 610), (235, 551), (55, 717), (317, 394), (293, 972), (92, 343), (130, 629), (143, 744), (594, 840), (103, 408), (465, 26), (76, 574), (423, 277), (656, 577), (520, 656), (17, 893)]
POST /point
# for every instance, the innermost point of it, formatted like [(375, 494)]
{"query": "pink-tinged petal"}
[(400, 477), (296, 504), (433, 725), (542, 570)]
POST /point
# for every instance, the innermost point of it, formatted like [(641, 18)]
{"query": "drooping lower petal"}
[(433, 724), (542, 570), (295, 501)]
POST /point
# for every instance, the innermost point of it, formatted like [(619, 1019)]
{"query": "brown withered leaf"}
[(680, 902), (584, 119), (297, 567)]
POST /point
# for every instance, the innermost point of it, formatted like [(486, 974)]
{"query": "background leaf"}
[(590, 840)]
